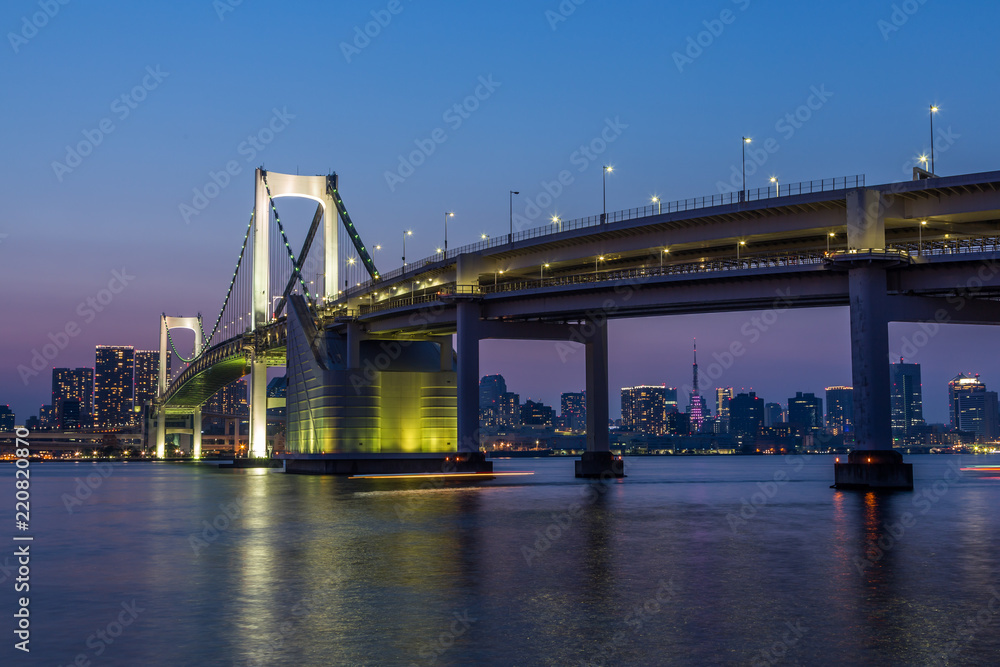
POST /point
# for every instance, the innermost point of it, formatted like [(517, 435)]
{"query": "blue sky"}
[(557, 77)]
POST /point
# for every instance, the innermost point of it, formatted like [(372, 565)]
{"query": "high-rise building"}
[(670, 399), (972, 409), (536, 413), (491, 388), (573, 408), (114, 387), (73, 384), (231, 400), (806, 411), (722, 397), (840, 410), (644, 409), (774, 414), (6, 418), (906, 400), (746, 415), (510, 410), (696, 405), (147, 375), (47, 416)]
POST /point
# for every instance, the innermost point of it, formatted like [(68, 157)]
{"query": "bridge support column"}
[(598, 460), (873, 463), (469, 334), (161, 432), (258, 409), (196, 434)]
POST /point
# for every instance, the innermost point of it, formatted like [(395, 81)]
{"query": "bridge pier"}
[(873, 464), (468, 337), (161, 431), (258, 409), (196, 433), (597, 461)]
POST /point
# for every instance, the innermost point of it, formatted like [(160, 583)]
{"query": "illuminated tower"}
[(695, 407)]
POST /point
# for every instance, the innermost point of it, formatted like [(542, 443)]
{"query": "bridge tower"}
[(166, 324), (317, 188)]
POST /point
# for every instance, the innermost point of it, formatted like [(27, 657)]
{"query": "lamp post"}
[(408, 232), (933, 111), (350, 270), (510, 236), (777, 188), (448, 214), (599, 258), (495, 274), (557, 221), (828, 237), (604, 172), (659, 204), (541, 272), (923, 158), (920, 238), (738, 245), (665, 251), (743, 192)]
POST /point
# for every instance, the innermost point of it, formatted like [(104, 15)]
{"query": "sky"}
[(118, 114)]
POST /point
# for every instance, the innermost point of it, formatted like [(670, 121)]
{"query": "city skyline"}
[(107, 274)]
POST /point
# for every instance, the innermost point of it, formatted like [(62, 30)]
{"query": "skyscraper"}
[(573, 407), (696, 404), (510, 410), (491, 388), (73, 384), (774, 414), (806, 410), (6, 418), (537, 414), (839, 410), (644, 409), (906, 400), (147, 375), (722, 397), (113, 386), (230, 400), (746, 414), (971, 407)]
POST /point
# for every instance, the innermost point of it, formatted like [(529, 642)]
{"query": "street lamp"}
[(920, 237), (665, 251), (923, 158), (510, 236), (448, 214), (659, 204), (557, 221), (828, 237), (498, 272), (743, 193), (604, 172), (350, 266), (777, 188), (933, 111), (741, 243), (408, 232), (596, 260), (541, 272), (485, 237)]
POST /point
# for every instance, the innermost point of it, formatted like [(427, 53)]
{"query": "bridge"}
[(362, 359)]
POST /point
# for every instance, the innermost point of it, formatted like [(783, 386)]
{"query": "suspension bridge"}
[(375, 383)]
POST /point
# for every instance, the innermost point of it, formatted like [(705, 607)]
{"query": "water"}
[(657, 569)]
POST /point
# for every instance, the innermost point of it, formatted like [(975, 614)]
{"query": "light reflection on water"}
[(539, 570)]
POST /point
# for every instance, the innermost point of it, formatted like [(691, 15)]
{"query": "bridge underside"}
[(202, 386)]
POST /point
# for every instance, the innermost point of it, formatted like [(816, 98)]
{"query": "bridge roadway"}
[(678, 262)]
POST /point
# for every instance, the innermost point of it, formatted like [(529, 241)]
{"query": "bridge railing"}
[(658, 208)]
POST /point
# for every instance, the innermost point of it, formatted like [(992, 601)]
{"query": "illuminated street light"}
[(557, 221), (777, 188), (743, 193), (405, 234), (448, 214), (920, 237), (659, 204), (828, 237), (933, 111), (541, 271), (604, 172), (738, 246)]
